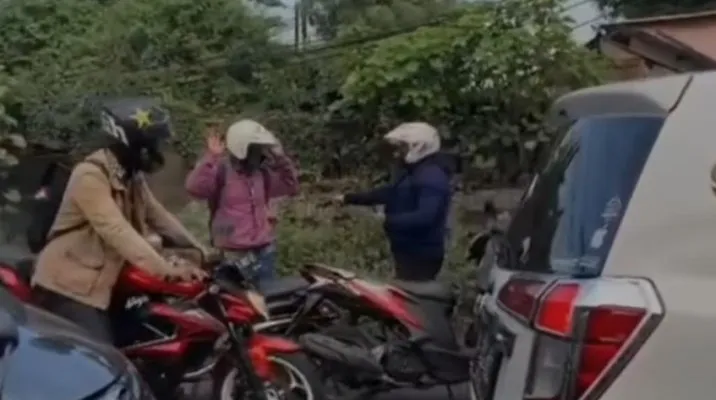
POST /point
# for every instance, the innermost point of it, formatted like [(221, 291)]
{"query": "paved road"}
[(458, 392), (202, 391)]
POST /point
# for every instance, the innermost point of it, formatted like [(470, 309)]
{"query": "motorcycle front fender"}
[(262, 347), (13, 282), (270, 344)]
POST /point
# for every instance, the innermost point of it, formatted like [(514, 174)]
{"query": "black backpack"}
[(45, 209), (213, 202)]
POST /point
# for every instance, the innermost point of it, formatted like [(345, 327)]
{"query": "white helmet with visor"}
[(418, 139), (243, 133)]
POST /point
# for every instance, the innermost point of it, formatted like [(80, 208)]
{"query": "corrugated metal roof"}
[(663, 18)]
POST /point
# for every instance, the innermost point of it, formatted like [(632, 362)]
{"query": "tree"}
[(488, 75), (349, 18), (486, 72), (11, 144), (195, 56), (650, 8), (36, 27)]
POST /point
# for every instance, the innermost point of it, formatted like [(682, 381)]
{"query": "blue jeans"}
[(267, 263)]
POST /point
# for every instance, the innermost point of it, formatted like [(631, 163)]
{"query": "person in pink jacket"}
[(239, 176)]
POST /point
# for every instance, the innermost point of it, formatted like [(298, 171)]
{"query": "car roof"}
[(649, 96)]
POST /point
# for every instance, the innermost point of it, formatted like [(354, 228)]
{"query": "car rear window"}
[(569, 216)]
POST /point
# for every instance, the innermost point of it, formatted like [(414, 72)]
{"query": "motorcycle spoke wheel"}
[(292, 381), (291, 384)]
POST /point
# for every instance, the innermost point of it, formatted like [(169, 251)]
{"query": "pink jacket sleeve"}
[(282, 178), (201, 181)]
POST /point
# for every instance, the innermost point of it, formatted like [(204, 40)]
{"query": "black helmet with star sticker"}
[(138, 127)]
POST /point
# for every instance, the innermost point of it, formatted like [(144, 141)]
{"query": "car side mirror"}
[(478, 244), (9, 334)]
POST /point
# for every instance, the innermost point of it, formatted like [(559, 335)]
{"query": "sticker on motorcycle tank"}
[(135, 302)]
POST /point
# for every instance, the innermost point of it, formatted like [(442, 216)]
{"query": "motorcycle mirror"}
[(9, 335)]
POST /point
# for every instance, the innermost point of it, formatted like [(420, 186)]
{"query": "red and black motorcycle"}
[(324, 296), (178, 332), (375, 337)]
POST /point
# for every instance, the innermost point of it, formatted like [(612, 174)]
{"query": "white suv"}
[(601, 287)]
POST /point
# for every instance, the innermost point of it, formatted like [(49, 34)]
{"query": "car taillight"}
[(520, 296), (587, 330)]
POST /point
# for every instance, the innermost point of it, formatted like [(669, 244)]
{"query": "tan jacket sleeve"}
[(90, 190), (166, 224)]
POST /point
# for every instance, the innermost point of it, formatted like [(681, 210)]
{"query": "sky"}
[(580, 11)]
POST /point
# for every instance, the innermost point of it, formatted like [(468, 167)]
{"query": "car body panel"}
[(667, 234), (54, 358)]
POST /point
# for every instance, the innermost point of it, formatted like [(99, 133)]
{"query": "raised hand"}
[(215, 144)]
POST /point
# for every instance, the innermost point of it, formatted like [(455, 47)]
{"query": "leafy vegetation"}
[(346, 237), (483, 73), (198, 57), (489, 85), (334, 19), (11, 145)]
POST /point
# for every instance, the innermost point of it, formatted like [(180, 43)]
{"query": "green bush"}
[(345, 237), (484, 73), (352, 238), (488, 77), (12, 145)]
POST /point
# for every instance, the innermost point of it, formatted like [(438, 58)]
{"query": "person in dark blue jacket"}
[(416, 204)]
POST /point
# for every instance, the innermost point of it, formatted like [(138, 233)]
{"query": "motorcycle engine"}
[(401, 362)]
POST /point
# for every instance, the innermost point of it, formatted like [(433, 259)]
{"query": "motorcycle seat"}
[(282, 287), (431, 290)]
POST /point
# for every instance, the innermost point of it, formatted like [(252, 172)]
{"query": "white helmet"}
[(420, 138), (245, 132)]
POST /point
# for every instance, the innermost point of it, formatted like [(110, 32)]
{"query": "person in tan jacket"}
[(105, 217)]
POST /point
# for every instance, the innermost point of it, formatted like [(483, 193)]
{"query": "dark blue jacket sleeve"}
[(373, 197), (433, 194)]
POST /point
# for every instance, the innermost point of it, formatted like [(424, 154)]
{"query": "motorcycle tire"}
[(476, 326), (471, 337), (298, 364)]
